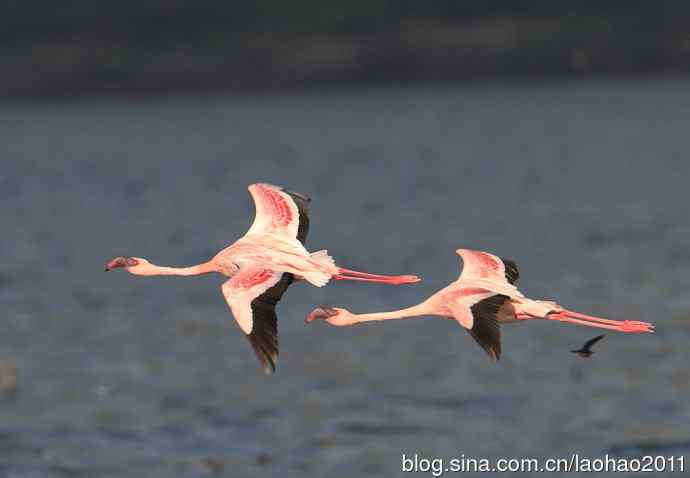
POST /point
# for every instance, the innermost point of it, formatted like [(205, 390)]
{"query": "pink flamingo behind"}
[(483, 297), (262, 264)]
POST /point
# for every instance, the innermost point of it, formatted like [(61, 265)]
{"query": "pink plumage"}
[(262, 264), (482, 298)]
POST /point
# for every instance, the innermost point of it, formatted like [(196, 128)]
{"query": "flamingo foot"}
[(634, 326)]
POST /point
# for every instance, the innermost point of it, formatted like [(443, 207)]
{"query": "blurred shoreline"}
[(496, 48)]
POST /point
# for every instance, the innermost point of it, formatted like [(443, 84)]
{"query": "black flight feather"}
[(485, 329)]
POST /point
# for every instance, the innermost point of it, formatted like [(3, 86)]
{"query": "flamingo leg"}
[(630, 326), (591, 318), (348, 274)]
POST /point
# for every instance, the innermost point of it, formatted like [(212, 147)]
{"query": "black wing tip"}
[(269, 364), (512, 272), (486, 330), (266, 350), (264, 335), (297, 196), (302, 201), (493, 350)]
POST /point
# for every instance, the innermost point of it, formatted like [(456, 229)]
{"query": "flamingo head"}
[(332, 315), (130, 264)]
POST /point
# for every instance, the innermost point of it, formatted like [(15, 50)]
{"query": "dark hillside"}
[(80, 47)]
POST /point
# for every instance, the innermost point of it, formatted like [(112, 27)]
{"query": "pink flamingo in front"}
[(262, 264), (483, 297)]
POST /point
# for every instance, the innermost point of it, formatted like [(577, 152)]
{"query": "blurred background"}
[(154, 47), (552, 133)]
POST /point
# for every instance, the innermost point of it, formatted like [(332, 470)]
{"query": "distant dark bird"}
[(586, 349)]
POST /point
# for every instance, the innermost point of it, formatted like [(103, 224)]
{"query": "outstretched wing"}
[(483, 265), (591, 342), (478, 310), (486, 330), (279, 211), (252, 295)]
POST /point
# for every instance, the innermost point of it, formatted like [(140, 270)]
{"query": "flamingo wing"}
[(478, 312), (279, 211), (252, 295), (483, 265), (486, 330)]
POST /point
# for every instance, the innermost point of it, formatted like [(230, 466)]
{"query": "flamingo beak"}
[(322, 313), (120, 262)]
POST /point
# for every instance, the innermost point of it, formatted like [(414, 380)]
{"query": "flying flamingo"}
[(262, 264), (483, 297)]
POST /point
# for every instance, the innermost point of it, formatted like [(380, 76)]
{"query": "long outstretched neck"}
[(154, 270), (414, 311)]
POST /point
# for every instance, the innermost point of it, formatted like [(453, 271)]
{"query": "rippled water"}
[(585, 186)]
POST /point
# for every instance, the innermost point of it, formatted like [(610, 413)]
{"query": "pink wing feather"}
[(278, 211), (245, 286), (483, 265)]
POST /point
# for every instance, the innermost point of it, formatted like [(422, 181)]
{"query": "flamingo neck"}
[(154, 270), (414, 311)]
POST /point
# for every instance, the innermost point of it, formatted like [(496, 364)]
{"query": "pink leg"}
[(348, 274), (591, 318), (631, 326)]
